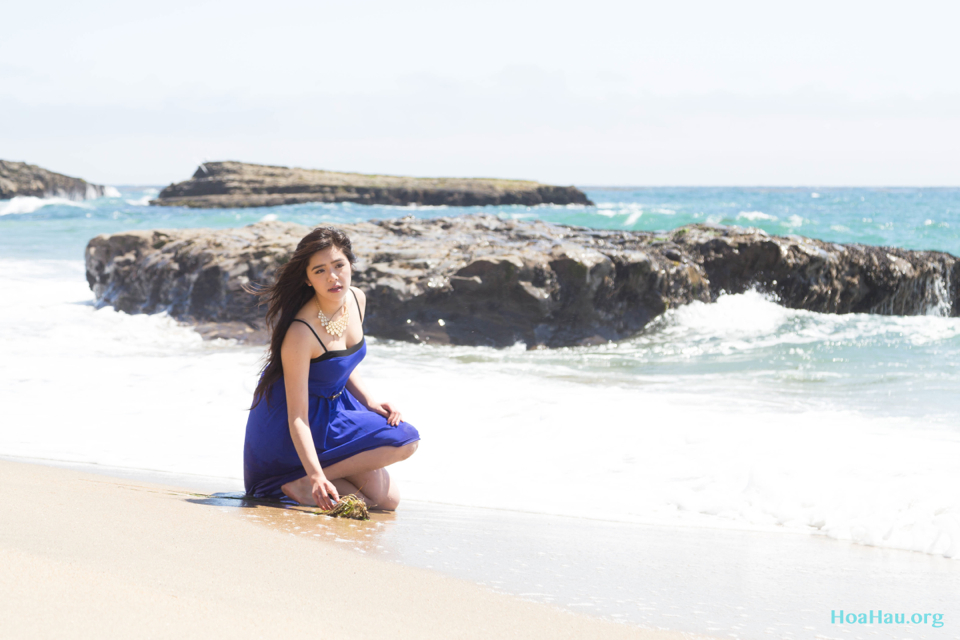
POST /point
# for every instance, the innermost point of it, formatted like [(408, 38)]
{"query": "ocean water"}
[(738, 414)]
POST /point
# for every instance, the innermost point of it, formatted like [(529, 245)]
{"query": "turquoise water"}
[(912, 218)]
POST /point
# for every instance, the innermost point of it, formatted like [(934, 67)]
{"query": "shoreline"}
[(210, 484), (135, 559), (691, 580)]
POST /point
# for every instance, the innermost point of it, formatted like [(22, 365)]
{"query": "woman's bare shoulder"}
[(300, 336), (361, 296)]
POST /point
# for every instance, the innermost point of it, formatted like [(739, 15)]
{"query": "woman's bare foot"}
[(300, 490)]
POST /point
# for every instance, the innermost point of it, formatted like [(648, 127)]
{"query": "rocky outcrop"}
[(237, 184), (481, 280), (22, 179)]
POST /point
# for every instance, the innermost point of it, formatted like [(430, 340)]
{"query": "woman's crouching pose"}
[(315, 432)]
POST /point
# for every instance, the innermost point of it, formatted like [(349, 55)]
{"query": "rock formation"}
[(22, 179), (481, 280), (236, 184)]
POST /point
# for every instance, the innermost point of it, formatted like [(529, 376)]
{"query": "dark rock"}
[(237, 184), (481, 280), (824, 276), (22, 179)]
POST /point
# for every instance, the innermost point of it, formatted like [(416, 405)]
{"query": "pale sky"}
[(588, 93)]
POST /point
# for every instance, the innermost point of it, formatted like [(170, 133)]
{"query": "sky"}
[(598, 93)]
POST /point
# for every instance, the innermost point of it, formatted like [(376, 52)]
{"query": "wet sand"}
[(89, 556), (729, 583)]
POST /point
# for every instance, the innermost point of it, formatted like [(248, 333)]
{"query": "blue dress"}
[(341, 426)]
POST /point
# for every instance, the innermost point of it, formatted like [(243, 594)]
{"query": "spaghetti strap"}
[(314, 332), (358, 304)]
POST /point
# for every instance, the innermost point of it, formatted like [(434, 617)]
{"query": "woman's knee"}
[(389, 504), (408, 449), (381, 489), (391, 500)]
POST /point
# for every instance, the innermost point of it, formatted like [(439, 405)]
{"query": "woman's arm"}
[(295, 357), (359, 390)]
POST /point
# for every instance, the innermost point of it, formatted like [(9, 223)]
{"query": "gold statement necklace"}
[(333, 327)]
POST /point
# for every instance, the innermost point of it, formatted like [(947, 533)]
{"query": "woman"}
[(315, 432)]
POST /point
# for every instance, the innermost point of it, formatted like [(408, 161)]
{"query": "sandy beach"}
[(88, 556)]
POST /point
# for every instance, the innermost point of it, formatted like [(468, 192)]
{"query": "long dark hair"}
[(287, 295)]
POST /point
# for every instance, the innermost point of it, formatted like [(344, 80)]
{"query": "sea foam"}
[(29, 204), (566, 431)]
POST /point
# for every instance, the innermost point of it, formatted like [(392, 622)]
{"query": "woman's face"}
[(328, 272)]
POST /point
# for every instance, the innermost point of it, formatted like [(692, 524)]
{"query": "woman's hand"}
[(386, 409), (359, 391), (324, 493)]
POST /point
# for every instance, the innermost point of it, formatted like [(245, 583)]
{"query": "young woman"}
[(315, 432)]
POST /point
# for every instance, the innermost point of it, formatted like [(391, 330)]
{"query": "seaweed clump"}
[(350, 506)]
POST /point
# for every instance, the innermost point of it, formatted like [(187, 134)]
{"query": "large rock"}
[(481, 280), (22, 179), (236, 184)]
